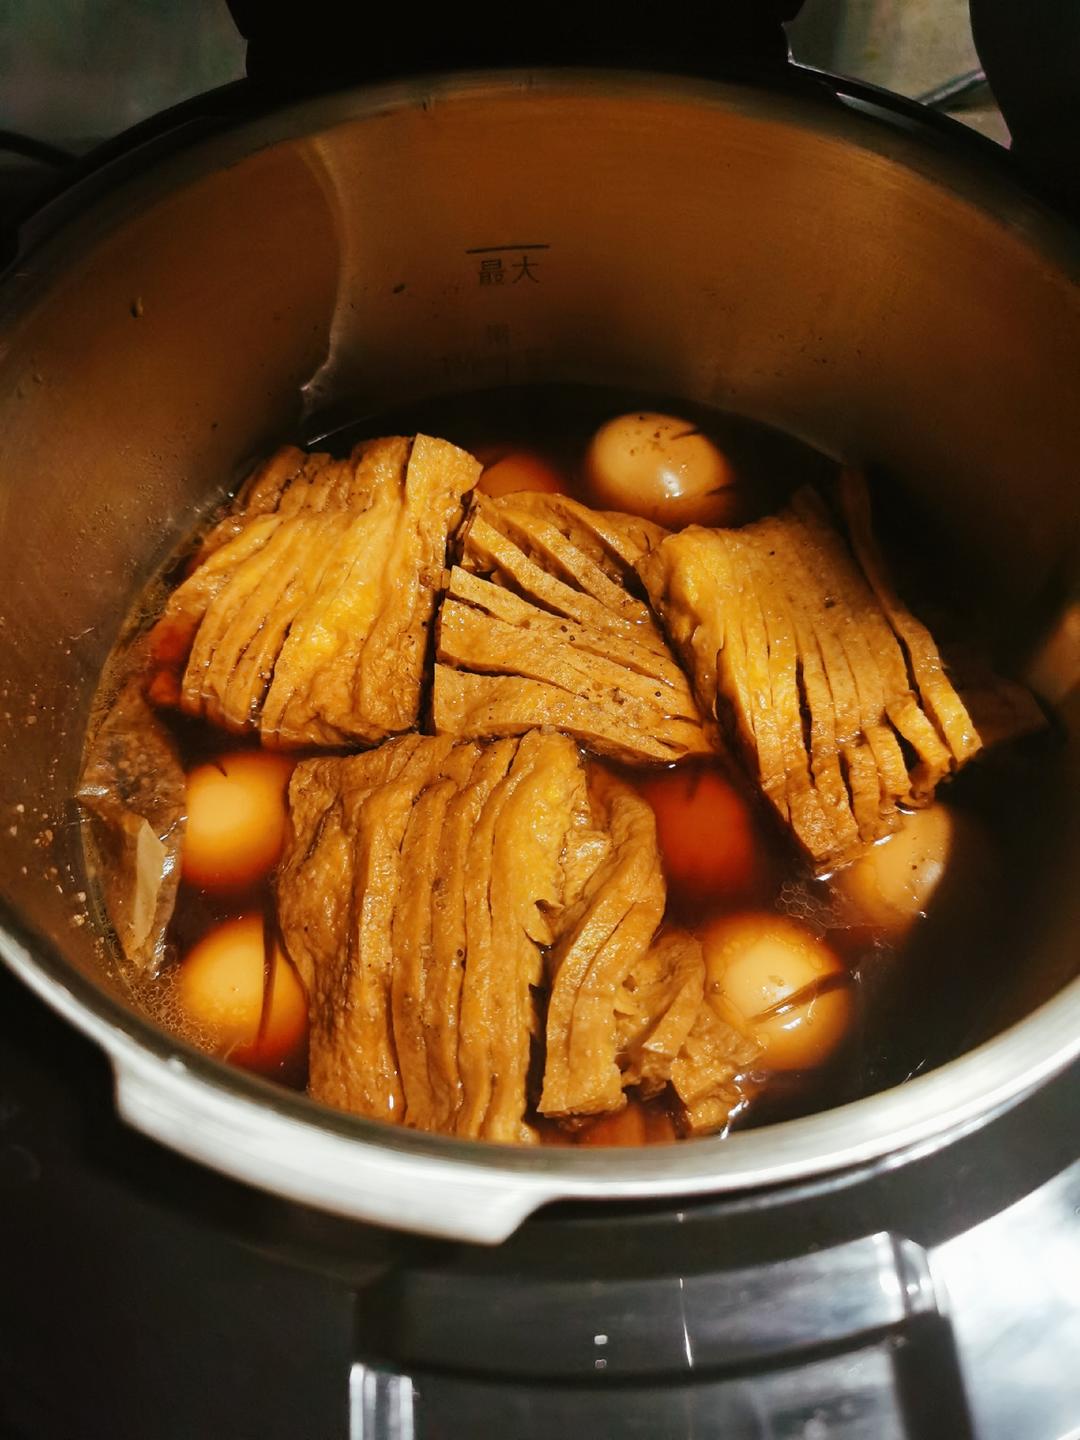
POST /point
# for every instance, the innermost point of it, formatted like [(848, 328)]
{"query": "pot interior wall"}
[(785, 260)]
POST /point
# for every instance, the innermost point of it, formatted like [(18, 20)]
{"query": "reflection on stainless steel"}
[(683, 1327), (380, 1405), (796, 261), (1012, 1285), (829, 1297), (687, 1342), (856, 1396)]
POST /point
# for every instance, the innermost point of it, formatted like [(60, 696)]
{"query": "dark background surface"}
[(77, 71)]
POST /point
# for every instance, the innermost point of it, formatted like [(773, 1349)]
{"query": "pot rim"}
[(286, 1142), (282, 1140)]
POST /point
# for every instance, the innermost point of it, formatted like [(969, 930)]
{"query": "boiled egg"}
[(251, 1007), (663, 468), (705, 833), (235, 819), (625, 1127), (893, 883), (634, 1124), (518, 471), (776, 981)]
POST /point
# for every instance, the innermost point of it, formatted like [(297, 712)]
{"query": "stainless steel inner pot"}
[(785, 255)]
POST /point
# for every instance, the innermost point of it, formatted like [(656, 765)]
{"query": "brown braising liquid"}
[(915, 1004)]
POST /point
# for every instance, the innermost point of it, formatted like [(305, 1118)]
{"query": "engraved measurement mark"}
[(493, 268), (491, 249)]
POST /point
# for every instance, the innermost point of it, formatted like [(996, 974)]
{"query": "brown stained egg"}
[(705, 833), (221, 986), (663, 468), (778, 982), (235, 819), (893, 883), (519, 471)]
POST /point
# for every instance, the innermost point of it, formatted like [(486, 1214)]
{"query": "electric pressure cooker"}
[(188, 1251)]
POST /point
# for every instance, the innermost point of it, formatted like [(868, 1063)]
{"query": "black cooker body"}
[(145, 1297)]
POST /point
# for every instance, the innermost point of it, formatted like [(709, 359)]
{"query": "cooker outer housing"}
[(810, 260)]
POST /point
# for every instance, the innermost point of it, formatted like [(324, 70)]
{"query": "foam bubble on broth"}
[(813, 903)]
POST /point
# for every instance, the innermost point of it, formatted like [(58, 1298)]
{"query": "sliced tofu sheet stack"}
[(459, 909), (539, 627), (306, 615), (837, 696)]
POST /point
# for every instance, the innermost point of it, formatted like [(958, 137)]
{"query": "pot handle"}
[(847, 1341), (407, 1185), (847, 1396)]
